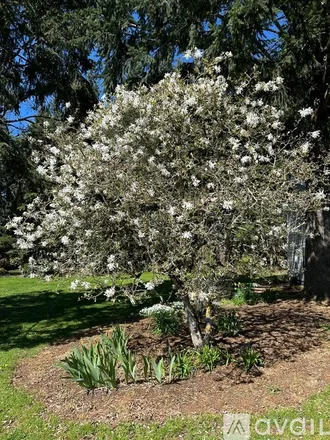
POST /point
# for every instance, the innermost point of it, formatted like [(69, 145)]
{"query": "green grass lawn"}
[(34, 313)]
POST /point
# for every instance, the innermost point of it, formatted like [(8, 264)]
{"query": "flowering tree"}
[(190, 178)]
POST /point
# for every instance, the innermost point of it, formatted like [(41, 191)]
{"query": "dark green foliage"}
[(185, 364), (166, 322), (95, 366), (268, 296), (209, 357), (245, 294), (3, 272), (45, 53), (91, 367), (229, 323), (6, 244), (250, 358), (139, 40)]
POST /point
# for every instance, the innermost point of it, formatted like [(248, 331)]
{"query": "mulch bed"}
[(289, 335)]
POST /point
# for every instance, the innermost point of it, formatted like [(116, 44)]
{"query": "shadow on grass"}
[(27, 320)]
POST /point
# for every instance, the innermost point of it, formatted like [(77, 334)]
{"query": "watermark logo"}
[(240, 427), (236, 426)]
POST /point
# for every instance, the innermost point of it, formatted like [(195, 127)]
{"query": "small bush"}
[(268, 296), (91, 367), (209, 357), (3, 272), (95, 366), (229, 323), (185, 364), (250, 358), (166, 323), (245, 294), (166, 320)]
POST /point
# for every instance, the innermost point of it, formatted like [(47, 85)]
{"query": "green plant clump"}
[(229, 323), (250, 358), (166, 319), (185, 364), (91, 367), (209, 357), (95, 366), (245, 294)]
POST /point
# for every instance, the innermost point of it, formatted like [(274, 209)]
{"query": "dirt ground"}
[(290, 335)]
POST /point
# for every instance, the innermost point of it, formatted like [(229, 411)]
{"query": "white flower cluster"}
[(306, 112), (194, 53), (184, 179), (79, 283), (161, 308), (110, 292)]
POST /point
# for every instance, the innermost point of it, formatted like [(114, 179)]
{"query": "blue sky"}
[(26, 108)]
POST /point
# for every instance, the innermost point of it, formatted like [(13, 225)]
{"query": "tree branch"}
[(28, 118)]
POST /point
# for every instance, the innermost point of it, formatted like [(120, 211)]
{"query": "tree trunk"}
[(209, 324), (296, 248), (317, 278), (195, 331)]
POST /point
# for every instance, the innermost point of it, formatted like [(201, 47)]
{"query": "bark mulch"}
[(289, 334)]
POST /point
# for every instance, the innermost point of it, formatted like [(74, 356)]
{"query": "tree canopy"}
[(60, 52), (191, 178)]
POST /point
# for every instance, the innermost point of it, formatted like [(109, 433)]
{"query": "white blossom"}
[(305, 147), (245, 159), (195, 181), (171, 210), (74, 284), (228, 205), (110, 292), (65, 240), (150, 285), (157, 308), (148, 180), (187, 205), (306, 112), (320, 195), (315, 134)]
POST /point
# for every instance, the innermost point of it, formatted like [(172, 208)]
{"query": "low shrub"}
[(250, 358), (209, 357), (229, 323), (185, 364), (268, 296), (166, 319), (245, 294), (95, 366), (99, 364), (91, 367)]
